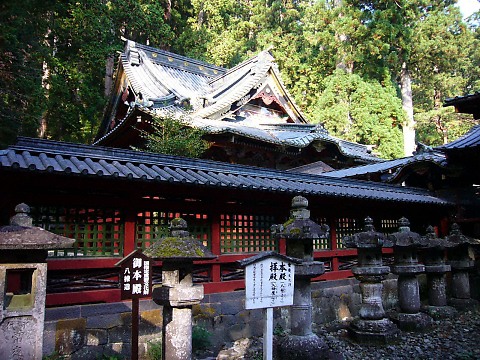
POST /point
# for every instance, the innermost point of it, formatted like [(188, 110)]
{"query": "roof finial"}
[(22, 217)]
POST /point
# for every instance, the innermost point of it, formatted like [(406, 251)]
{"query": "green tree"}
[(23, 26), (175, 137), (428, 50), (361, 111), (443, 56), (84, 35)]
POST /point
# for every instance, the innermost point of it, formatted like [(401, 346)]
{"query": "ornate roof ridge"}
[(174, 56)]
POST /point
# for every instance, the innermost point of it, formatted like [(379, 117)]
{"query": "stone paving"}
[(449, 339), (457, 338)]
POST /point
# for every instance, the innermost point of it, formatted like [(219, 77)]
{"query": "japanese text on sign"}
[(135, 276), (269, 283)]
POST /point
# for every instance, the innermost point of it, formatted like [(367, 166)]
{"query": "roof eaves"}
[(232, 176)]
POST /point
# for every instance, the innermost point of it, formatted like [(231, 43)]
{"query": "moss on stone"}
[(288, 222), (203, 312), (294, 231), (177, 247)]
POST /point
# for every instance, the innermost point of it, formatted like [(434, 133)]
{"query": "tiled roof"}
[(468, 104), (156, 73), (457, 99), (165, 79), (394, 167), (44, 156), (470, 140)]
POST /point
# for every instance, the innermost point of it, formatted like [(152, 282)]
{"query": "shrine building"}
[(247, 113)]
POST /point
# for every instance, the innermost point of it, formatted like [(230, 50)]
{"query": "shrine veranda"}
[(115, 201)]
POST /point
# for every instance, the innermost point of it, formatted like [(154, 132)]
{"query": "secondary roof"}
[(67, 159)]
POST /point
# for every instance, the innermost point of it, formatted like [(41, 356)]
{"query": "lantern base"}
[(412, 322), (295, 347), (463, 304), (439, 312)]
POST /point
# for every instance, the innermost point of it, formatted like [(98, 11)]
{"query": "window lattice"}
[(388, 226), (324, 243), (246, 233), (152, 225), (98, 232), (346, 227)]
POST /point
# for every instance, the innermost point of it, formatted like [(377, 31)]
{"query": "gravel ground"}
[(457, 338)]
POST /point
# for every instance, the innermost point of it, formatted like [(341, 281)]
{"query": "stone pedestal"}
[(436, 268), (406, 266), (177, 294), (437, 292), (372, 326), (23, 278), (302, 343), (461, 298), (299, 233), (462, 263)]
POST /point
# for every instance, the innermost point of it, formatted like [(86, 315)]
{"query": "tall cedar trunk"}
[(168, 11), (109, 75), (51, 43), (437, 98), (407, 103), (42, 126), (342, 39)]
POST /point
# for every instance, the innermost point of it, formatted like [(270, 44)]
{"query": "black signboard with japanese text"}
[(135, 275)]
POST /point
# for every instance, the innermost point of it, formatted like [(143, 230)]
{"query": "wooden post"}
[(135, 311), (268, 334), (135, 282), (216, 249), (129, 244)]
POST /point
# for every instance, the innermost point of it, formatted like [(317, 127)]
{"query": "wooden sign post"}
[(269, 283), (135, 283)]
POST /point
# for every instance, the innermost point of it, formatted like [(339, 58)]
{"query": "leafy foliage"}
[(154, 350), (361, 111), (200, 338), (54, 57), (175, 137)]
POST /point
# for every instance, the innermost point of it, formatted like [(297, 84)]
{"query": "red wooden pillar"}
[(443, 231), (333, 243), (282, 246), (216, 268), (129, 244)]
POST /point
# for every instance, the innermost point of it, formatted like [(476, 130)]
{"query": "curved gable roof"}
[(167, 82)]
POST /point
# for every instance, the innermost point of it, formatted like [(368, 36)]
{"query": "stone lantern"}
[(177, 294), (461, 259), (405, 245), (23, 278), (373, 326), (436, 268), (299, 233)]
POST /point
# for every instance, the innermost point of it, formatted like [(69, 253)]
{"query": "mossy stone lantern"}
[(373, 326), (461, 259), (23, 278), (407, 267), (299, 233), (178, 294), (436, 268)]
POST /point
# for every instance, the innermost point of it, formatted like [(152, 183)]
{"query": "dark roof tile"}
[(74, 160), (470, 140)]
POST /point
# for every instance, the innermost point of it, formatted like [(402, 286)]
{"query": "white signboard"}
[(269, 283)]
